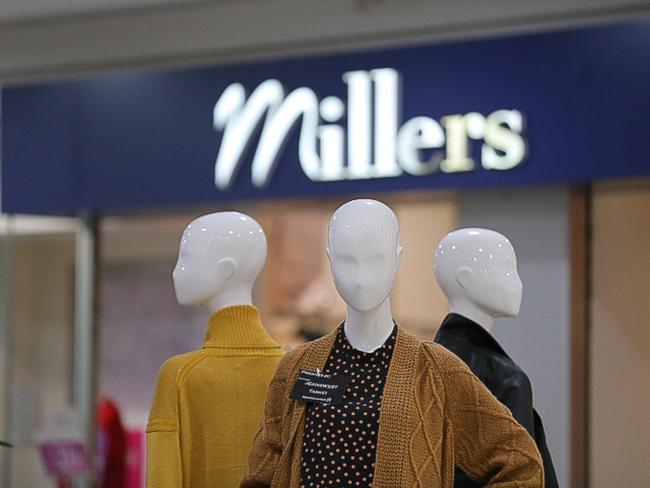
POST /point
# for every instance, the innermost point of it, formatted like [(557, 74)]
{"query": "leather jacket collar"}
[(457, 328)]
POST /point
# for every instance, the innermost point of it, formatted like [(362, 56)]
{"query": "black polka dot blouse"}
[(340, 441)]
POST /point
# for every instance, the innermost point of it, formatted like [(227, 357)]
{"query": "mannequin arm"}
[(489, 444), (163, 456), (517, 394), (264, 456), (164, 467)]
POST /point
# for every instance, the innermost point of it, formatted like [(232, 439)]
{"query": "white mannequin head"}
[(477, 270), (220, 257), (364, 251)]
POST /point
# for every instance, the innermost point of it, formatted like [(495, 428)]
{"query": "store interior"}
[(140, 323), (121, 123)]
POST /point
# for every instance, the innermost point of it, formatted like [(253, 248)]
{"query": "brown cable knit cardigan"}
[(435, 414)]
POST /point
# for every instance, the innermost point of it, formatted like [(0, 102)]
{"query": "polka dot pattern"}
[(340, 441)]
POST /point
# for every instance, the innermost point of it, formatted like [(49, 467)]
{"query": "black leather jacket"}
[(507, 381)]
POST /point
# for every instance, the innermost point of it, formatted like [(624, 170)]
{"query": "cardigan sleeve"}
[(266, 449), (164, 466), (489, 444)]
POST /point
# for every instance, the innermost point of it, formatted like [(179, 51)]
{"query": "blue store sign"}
[(569, 106)]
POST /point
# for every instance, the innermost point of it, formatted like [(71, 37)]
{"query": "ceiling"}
[(28, 10)]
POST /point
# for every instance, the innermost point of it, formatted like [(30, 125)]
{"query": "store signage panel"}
[(568, 106), (376, 146)]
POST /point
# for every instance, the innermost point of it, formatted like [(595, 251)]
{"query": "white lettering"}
[(475, 125), (359, 123), (301, 101), (416, 134), (377, 147), (504, 139), (332, 140), (386, 114), (239, 120), (457, 159)]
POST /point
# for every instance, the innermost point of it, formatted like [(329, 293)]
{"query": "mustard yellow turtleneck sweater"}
[(208, 404)]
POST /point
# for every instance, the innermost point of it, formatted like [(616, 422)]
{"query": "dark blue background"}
[(134, 140)]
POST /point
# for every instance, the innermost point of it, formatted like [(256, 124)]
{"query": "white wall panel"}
[(537, 223)]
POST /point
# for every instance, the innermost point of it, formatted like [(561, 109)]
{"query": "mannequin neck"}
[(475, 313), (367, 331), (234, 295)]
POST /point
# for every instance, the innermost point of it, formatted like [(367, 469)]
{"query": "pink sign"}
[(135, 459), (64, 458)]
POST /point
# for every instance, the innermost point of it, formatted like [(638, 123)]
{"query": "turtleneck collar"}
[(238, 326)]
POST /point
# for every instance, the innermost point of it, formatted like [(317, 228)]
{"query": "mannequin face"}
[(218, 251), (194, 282), (492, 281), (479, 266), (364, 253)]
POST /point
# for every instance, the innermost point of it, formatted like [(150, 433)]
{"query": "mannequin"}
[(364, 253), (477, 271), (395, 408), (220, 257), (208, 402)]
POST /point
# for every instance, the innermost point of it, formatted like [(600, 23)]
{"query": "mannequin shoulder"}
[(504, 367), (174, 367), (472, 356), (509, 377), (441, 358), (293, 359), (290, 361)]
